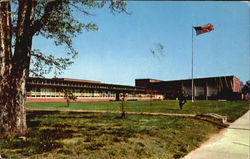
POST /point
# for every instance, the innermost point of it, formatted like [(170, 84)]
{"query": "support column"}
[(206, 91), (194, 91), (117, 96)]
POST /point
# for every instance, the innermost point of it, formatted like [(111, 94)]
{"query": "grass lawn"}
[(104, 135), (232, 109)]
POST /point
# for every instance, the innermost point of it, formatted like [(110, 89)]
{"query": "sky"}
[(120, 51)]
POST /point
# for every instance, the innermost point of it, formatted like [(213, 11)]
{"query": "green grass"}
[(105, 135), (232, 109)]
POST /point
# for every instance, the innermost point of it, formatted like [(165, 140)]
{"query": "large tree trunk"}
[(14, 68), (12, 113), (10, 121)]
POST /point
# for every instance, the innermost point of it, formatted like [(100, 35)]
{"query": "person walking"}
[(182, 98)]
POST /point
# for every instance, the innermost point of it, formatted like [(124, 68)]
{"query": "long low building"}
[(51, 90), (223, 87)]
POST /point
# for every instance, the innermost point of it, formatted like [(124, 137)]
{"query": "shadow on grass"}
[(172, 109), (63, 115), (33, 124), (77, 117), (62, 106), (36, 141), (33, 114)]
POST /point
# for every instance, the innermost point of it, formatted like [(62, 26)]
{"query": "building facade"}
[(223, 87), (51, 90)]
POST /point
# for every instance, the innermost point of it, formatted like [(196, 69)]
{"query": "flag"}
[(203, 29)]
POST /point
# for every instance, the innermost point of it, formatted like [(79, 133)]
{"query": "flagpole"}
[(199, 30), (192, 64)]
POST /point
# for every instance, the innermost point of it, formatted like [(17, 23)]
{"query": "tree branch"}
[(42, 64), (81, 10), (48, 10)]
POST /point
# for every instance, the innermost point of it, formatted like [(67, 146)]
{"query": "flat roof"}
[(76, 80), (188, 79), (83, 81)]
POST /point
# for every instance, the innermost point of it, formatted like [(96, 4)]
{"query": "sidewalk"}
[(231, 143)]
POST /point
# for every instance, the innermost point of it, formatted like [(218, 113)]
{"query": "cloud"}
[(248, 2)]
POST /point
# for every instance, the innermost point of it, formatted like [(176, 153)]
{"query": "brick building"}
[(51, 90), (223, 87)]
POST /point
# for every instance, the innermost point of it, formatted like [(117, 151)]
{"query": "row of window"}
[(63, 96), (90, 95), (111, 96), (52, 92), (200, 91)]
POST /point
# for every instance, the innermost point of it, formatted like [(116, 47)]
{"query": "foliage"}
[(246, 89), (91, 135), (43, 64), (69, 95), (57, 20)]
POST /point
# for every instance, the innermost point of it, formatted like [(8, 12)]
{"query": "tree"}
[(69, 95), (122, 106), (151, 99), (246, 90), (20, 21)]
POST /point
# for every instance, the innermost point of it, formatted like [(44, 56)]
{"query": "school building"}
[(222, 87), (51, 89)]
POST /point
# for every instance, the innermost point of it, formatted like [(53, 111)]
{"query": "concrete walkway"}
[(231, 143), (212, 117), (114, 112)]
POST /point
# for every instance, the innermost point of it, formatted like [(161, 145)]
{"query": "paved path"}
[(214, 118), (231, 143), (115, 112)]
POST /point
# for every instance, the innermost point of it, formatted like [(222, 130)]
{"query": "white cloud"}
[(248, 2)]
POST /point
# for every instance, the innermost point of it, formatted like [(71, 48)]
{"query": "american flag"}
[(204, 29)]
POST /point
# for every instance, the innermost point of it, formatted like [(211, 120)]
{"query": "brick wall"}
[(236, 85)]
